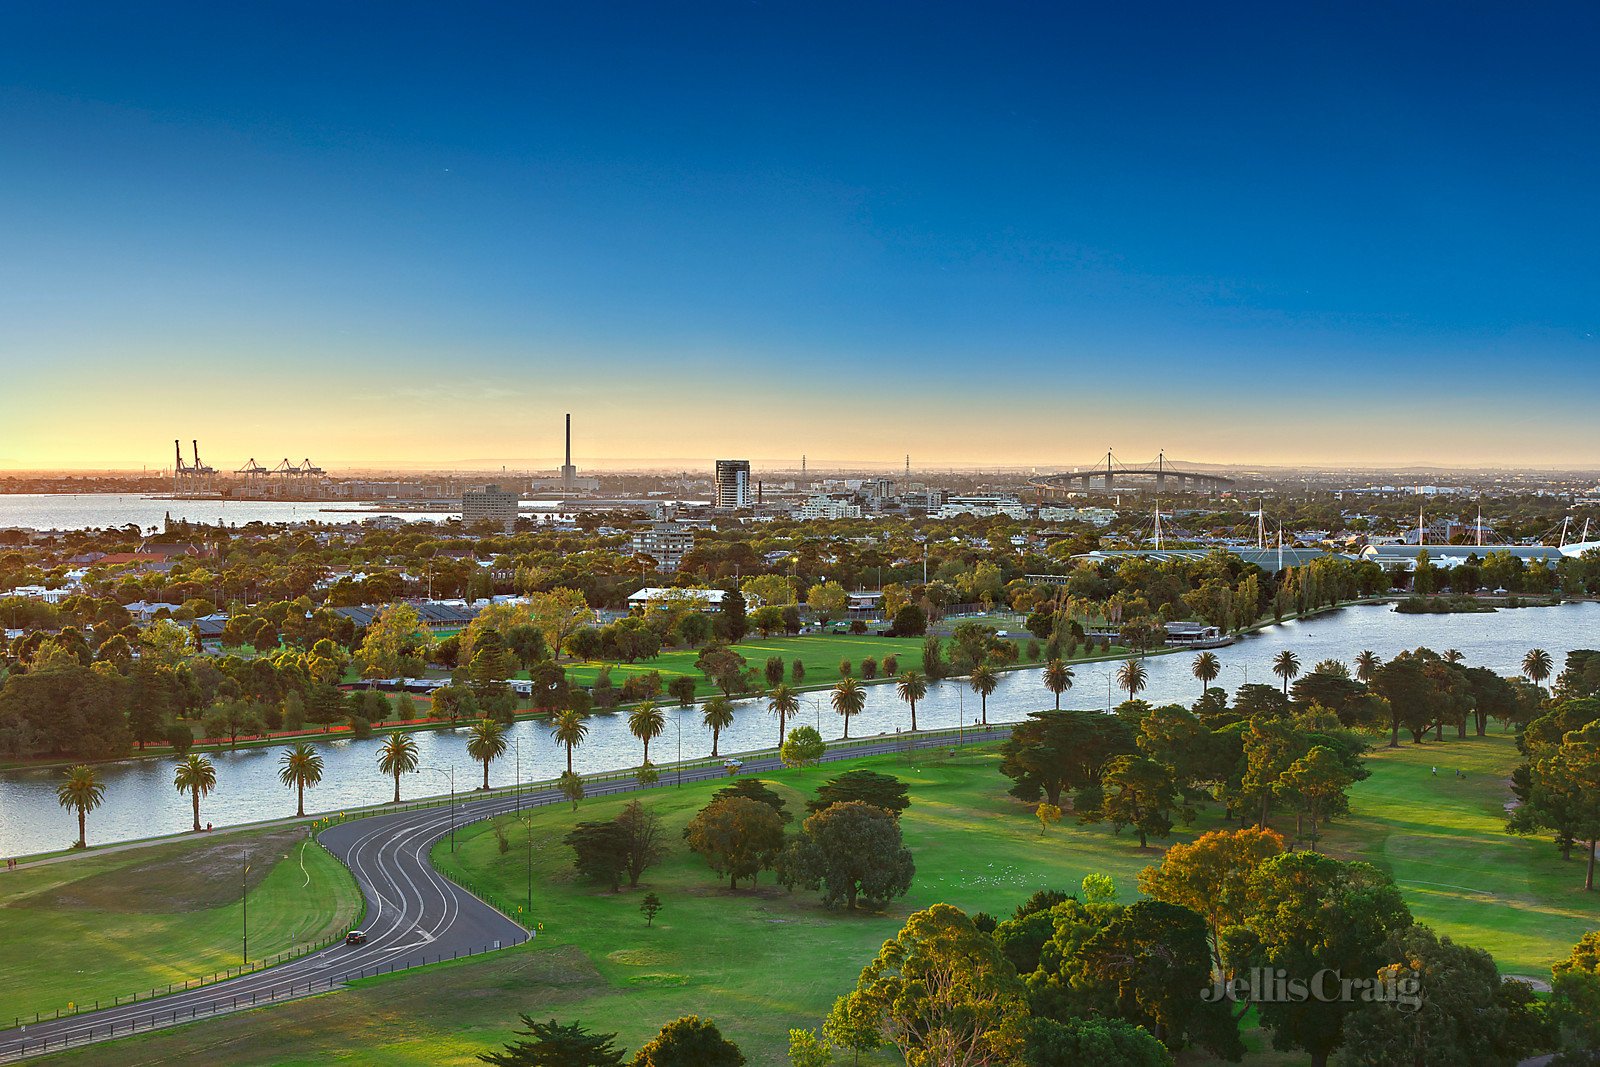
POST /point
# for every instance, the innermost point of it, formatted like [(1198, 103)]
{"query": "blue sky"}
[(1013, 235)]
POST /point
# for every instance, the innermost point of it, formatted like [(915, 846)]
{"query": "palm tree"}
[(1286, 665), (718, 715), (783, 702), (1132, 677), (396, 756), (84, 791), (1367, 664), (195, 775), (912, 687), (646, 722), (849, 697), (1537, 665), (486, 742), (1453, 655), (1206, 667), (299, 767), (571, 731), (1057, 679), (983, 681)]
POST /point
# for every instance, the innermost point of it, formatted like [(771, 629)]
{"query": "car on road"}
[(355, 937)]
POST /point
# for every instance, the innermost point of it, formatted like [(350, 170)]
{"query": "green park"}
[(762, 959), (131, 921)]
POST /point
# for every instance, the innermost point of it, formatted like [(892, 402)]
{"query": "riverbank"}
[(909, 649), (140, 801)]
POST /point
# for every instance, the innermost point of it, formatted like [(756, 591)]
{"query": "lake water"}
[(140, 800), (56, 511)]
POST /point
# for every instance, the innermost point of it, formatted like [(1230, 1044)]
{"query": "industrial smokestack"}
[(569, 439)]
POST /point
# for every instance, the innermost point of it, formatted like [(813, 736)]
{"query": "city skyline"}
[(1003, 238)]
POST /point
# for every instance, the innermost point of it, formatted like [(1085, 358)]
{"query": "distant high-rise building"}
[(569, 473), (732, 484), (489, 504)]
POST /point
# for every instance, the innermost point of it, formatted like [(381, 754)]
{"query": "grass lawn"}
[(821, 654), (1443, 840), (761, 960), (115, 923)]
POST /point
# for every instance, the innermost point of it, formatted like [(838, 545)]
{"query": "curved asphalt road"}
[(414, 914)]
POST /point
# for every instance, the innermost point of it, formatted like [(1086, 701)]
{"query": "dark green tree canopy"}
[(880, 790), (689, 1042), (850, 851), (554, 1044)]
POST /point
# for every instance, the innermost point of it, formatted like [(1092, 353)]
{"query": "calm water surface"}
[(141, 802)]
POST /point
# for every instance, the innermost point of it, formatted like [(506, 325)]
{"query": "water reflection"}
[(141, 801)]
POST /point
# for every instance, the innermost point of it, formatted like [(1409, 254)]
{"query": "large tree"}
[(1143, 963), (983, 682), (196, 776), (1461, 1011), (911, 687), (1053, 751), (939, 991), (646, 722), (298, 767), (1212, 876), (486, 742), (717, 715), (783, 702), (848, 698), (1138, 792), (570, 731), (393, 644), (738, 837), (397, 755), (1308, 914), (642, 844), (851, 850), (82, 791), (880, 790), (601, 852)]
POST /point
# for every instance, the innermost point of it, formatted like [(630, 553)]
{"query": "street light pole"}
[(517, 791), (961, 716), (244, 901), (528, 822), (451, 771), (676, 725)]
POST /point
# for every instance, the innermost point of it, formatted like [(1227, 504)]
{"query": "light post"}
[(1244, 668), (451, 771), (677, 726), (244, 900), (528, 824), (517, 789), (1109, 679)]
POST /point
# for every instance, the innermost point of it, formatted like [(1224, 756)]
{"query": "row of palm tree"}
[(82, 790), (301, 766)]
